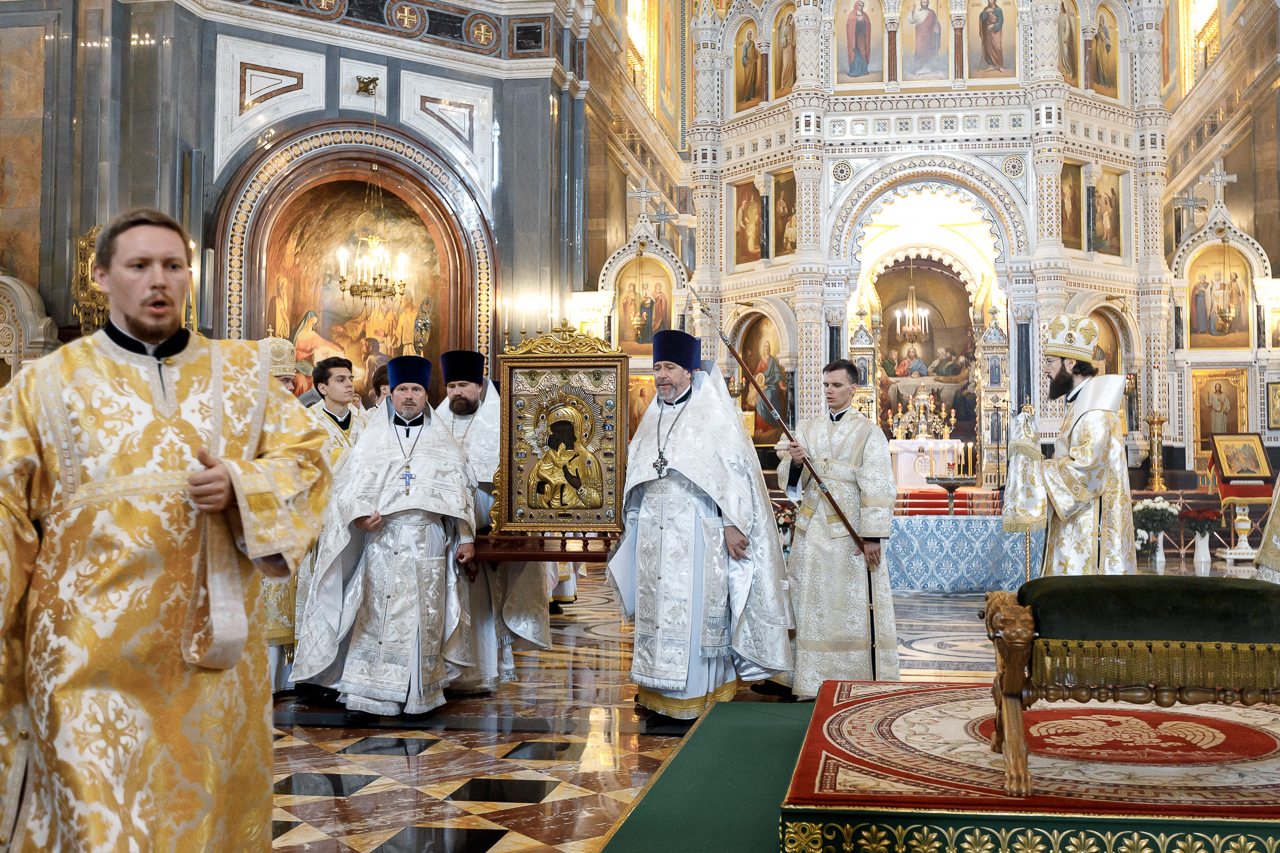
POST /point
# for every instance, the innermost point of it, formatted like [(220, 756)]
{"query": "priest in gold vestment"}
[(146, 476), (827, 574), (1082, 493)]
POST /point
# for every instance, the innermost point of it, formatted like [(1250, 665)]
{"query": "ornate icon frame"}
[(554, 372)]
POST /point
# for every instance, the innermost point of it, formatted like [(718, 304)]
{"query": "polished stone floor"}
[(549, 764)]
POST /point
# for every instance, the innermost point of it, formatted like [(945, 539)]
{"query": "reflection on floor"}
[(550, 763)]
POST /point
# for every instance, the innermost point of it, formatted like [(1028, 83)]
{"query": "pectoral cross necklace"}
[(406, 474), (660, 464)]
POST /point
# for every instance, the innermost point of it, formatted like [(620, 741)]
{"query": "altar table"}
[(917, 459), (951, 553)]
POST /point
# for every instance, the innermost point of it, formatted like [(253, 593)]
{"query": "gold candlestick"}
[(1155, 437)]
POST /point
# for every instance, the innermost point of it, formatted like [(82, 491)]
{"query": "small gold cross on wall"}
[(407, 18)]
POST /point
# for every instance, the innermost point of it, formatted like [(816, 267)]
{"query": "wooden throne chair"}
[(1122, 638)]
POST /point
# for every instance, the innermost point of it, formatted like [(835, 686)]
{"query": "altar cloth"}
[(952, 553)]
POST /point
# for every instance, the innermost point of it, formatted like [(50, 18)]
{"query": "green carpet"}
[(723, 789)]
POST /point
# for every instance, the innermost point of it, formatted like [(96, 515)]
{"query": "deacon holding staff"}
[(700, 564), (1082, 493), (385, 618), (508, 601), (829, 576)]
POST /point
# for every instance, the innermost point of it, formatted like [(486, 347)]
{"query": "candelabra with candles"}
[(1155, 438), (374, 276), (956, 473)]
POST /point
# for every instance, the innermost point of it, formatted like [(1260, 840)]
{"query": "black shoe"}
[(773, 688), (555, 609)]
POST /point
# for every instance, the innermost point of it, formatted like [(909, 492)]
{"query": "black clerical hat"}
[(462, 365), (679, 348), (409, 368)]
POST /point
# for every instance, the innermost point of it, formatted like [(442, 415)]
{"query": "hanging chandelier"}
[(913, 321), (373, 274)]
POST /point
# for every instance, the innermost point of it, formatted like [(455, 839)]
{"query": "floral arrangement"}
[(1199, 521), (1154, 515), (784, 515)]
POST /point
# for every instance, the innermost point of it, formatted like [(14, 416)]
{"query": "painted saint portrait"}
[(750, 69), (643, 305), (1106, 55), (1219, 407), (993, 38), (747, 223), (784, 213), (1106, 351), (1069, 42), (859, 41), (1072, 206), (784, 52), (1108, 216), (760, 348), (1219, 287), (926, 54), (302, 298), (640, 392)]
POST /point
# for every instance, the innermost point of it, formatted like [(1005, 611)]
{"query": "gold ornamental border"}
[(563, 349), (885, 837), (441, 178)]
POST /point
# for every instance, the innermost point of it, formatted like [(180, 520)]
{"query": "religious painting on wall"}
[(1273, 406), (302, 298), (1219, 287), (564, 405), (784, 213), (784, 52), (1072, 206), (670, 66), (747, 223), (1069, 42), (1221, 405), (640, 392), (1106, 351), (1106, 55), (1108, 218), (643, 305), (750, 69), (993, 38), (1241, 457), (926, 47), (760, 347), (859, 41)]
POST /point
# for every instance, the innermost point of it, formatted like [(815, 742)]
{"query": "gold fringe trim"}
[(1164, 663), (1026, 449), (686, 709), (1011, 526)]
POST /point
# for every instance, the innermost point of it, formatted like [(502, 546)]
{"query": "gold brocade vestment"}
[(1082, 493), (827, 573), (283, 599), (131, 747)]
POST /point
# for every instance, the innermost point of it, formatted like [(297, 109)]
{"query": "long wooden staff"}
[(822, 487)]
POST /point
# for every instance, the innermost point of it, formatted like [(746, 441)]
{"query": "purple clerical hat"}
[(679, 348)]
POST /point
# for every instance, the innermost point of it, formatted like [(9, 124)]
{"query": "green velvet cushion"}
[(1152, 607)]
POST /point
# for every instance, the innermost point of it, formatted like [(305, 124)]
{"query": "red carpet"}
[(927, 747)]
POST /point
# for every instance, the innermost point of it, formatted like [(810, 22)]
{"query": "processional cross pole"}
[(822, 487)]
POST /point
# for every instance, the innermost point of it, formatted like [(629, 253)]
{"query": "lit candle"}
[(506, 314), (898, 320), (342, 262)]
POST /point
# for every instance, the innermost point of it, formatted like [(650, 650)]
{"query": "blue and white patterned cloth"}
[(956, 553)]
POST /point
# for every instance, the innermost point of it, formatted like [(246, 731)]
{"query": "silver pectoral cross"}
[(407, 476), (660, 465)]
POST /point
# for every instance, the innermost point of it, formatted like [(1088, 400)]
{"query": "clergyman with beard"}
[(1081, 494), (508, 600)]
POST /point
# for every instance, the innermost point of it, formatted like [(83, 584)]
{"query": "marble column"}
[(957, 33), (891, 53), (704, 170)]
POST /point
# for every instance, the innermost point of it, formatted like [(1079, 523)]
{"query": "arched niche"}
[(26, 332), (642, 259), (310, 166)]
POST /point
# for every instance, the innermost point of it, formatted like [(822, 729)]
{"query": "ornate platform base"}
[(908, 768)]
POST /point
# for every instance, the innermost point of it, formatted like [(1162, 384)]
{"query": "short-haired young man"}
[(827, 573)]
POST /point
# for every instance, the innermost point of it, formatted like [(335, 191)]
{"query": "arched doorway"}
[(289, 212), (939, 358)]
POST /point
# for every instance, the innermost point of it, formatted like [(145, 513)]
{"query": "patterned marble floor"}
[(548, 764)]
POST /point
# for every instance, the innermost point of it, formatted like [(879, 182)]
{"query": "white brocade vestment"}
[(702, 620), (508, 601), (827, 573), (384, 611), (1082, 493)]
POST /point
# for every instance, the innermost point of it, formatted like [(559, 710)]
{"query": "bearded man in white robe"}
[(700, 565), (1082, 493), (827, 573), (508, 600), (385, 615)]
